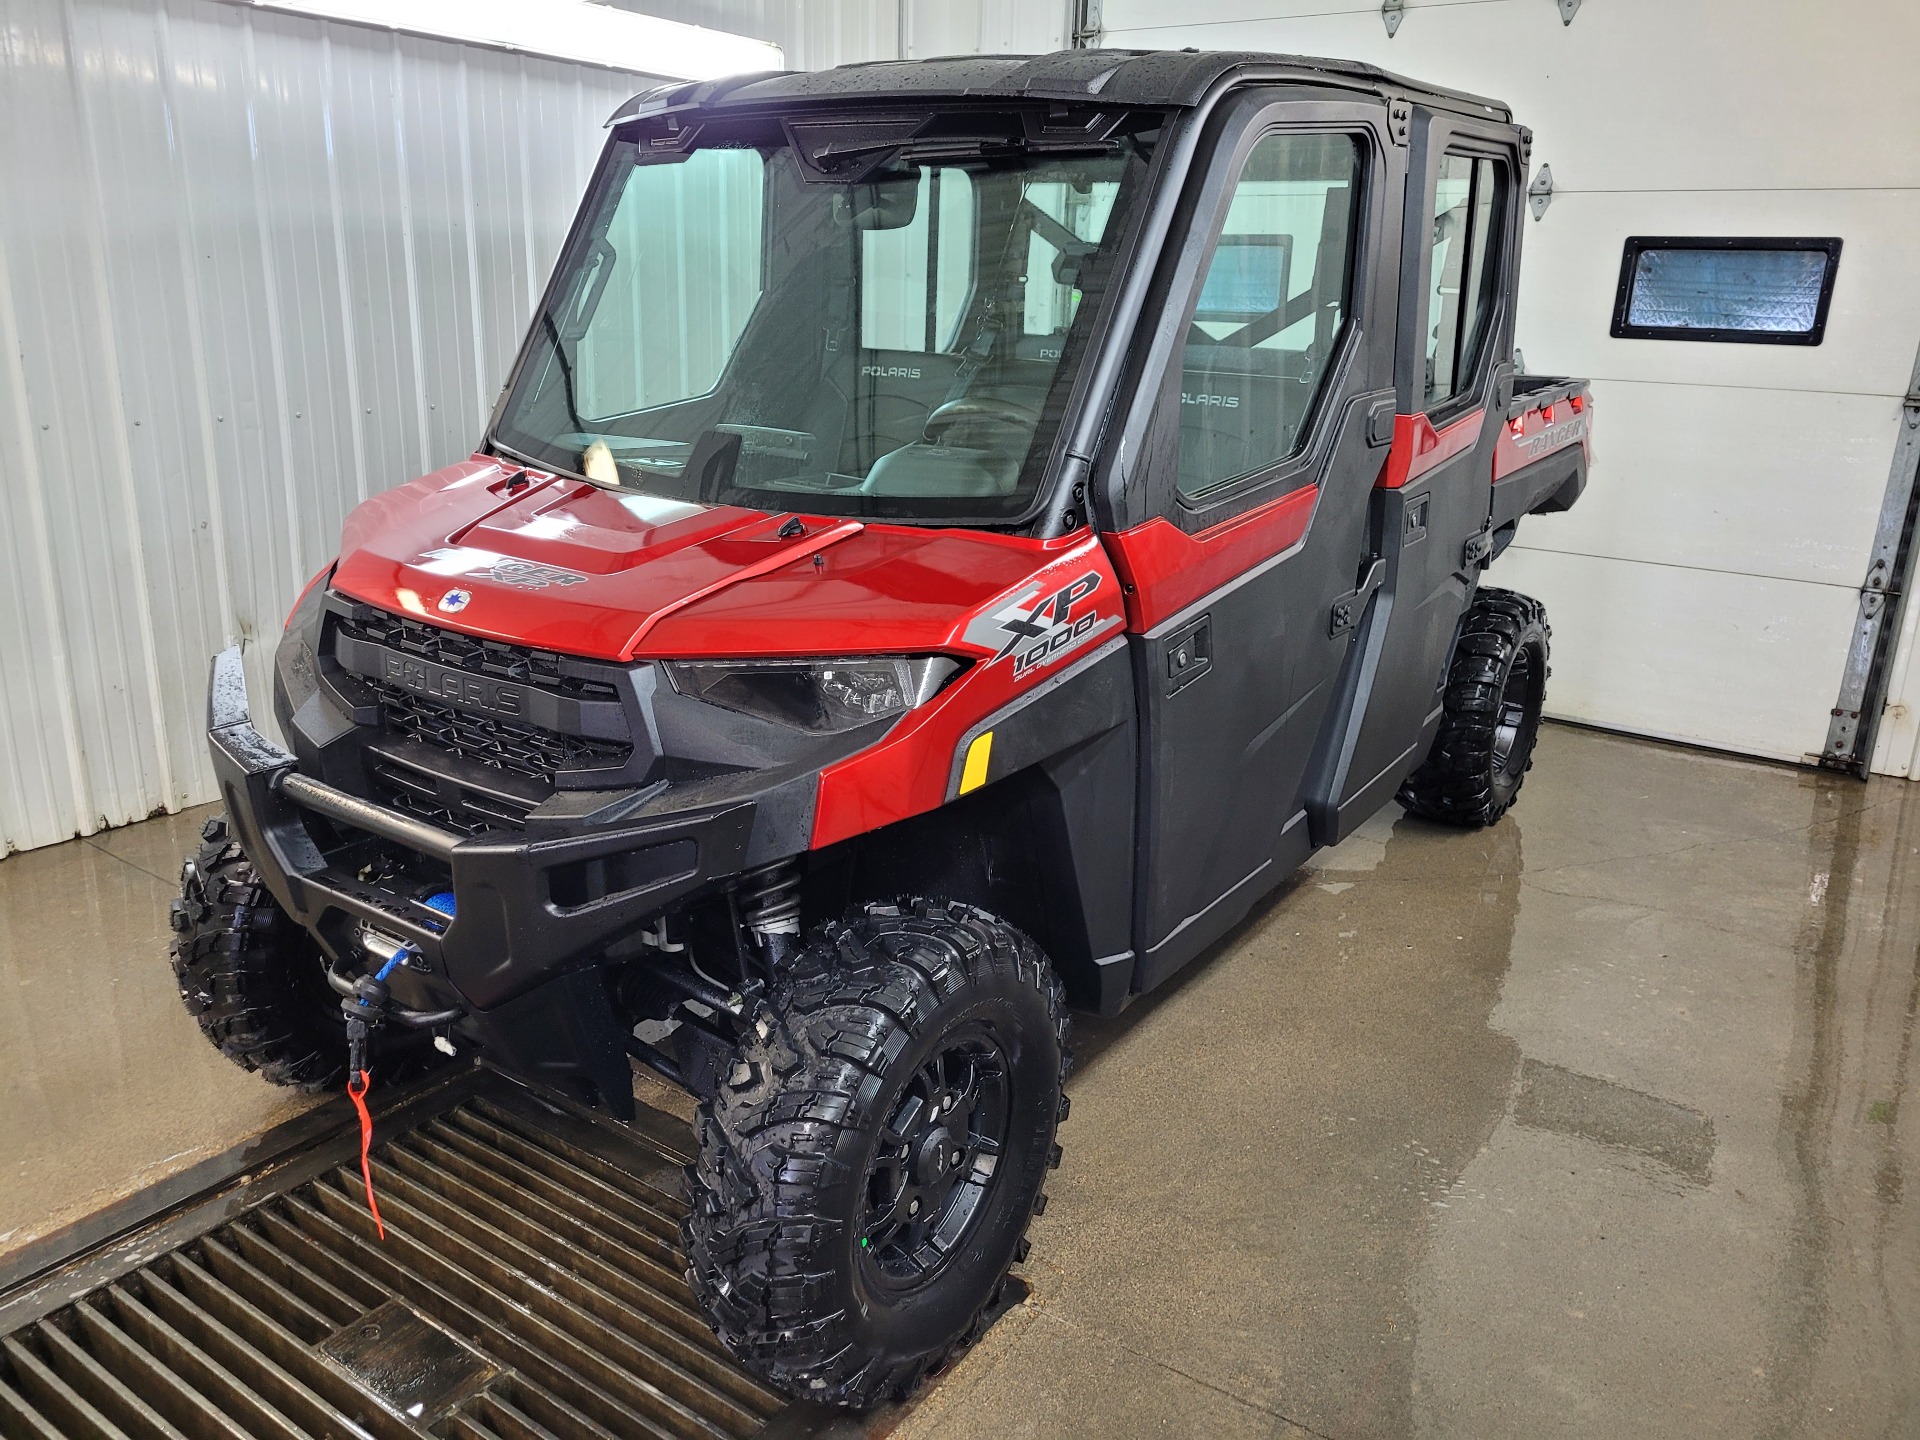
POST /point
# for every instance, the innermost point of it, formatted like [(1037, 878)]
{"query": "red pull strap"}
[(359, 1098)]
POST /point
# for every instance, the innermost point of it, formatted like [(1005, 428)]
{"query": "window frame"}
[(1637, 245), (1294, 470), (1469, 395)]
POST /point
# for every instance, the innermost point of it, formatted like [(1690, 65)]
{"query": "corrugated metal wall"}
[(817, 34), (252, 268)]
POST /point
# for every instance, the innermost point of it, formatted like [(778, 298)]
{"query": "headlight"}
[(825, 696)]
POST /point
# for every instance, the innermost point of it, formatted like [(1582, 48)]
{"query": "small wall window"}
[(1751, 292)]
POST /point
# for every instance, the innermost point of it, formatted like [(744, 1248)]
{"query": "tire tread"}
[(1455, 783), (756, 1244)]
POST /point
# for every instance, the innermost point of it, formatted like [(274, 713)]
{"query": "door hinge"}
[(1479, 547), (1568, 9), (1348, 609)]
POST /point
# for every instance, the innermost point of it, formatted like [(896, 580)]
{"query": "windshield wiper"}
[(501, 448)]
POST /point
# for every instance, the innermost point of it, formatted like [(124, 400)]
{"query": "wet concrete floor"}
[(1594, 1123)]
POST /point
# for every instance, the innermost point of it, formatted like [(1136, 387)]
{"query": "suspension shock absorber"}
[(770, 909)]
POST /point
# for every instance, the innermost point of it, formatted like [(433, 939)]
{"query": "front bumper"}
[(529, 909)]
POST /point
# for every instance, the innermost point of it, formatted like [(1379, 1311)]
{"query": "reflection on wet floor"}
[(106, 1084), (1593, 1123), (1549, 1098)]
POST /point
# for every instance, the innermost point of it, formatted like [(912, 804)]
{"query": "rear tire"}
[(847, 1234), (1496, 688), (251, 977)]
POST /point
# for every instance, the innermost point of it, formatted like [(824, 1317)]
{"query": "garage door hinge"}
[(1391, 13), (1540, 192), (1568, 9)]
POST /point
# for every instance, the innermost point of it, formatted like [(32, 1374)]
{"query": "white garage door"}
[(1706, 587)]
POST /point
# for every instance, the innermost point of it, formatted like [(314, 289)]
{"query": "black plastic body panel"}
[(1390, 707), (1226, 754), (1551, 483), (1047, 842)]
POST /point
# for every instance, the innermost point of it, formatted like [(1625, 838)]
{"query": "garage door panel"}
[(1779, 483), (1571, 265), (1733, 661), (1137, 19), (1635, 94)]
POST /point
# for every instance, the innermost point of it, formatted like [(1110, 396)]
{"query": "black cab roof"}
[(1174, 78)]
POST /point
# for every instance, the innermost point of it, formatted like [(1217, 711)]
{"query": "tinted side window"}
[(1271, 307), (1467, 204)]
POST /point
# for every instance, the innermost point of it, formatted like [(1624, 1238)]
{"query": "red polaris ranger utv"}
[(957, 534)]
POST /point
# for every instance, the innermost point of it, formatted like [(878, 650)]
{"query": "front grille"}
[(415, 794), (431, 725), (518, 663), (530, 1284), (487, 740)]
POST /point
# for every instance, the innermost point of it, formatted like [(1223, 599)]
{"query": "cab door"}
[(1459, 257), (1261, 420)]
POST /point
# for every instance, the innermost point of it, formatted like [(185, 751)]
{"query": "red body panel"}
[(1019, 636), (1540, 432), (1418, 447), (564, 566), (568, 567), (1163, 569)]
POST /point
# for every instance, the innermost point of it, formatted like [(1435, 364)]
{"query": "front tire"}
[(1496, 689), (871, 1160), (251, 977)]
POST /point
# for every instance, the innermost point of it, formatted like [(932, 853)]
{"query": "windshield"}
[(797, 317)]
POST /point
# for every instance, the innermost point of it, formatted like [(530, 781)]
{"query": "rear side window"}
[(1468, 203), (1271, 308)]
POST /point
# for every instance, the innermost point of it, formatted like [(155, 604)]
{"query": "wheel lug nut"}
[(913, 1208)]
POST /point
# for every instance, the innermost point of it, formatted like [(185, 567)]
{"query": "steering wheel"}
[(985, 408)]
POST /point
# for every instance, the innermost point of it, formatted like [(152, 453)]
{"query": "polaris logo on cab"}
[(891, 372), (1225, 402)]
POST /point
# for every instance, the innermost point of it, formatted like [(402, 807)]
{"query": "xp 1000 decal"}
[(1042, 625)]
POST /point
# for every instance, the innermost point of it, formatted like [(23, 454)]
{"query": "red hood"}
[(562, 565)]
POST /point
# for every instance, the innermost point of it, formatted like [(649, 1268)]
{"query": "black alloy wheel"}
[(934, 1165), (875, 1151)]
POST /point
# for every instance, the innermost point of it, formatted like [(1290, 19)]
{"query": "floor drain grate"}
[(529, 1288)]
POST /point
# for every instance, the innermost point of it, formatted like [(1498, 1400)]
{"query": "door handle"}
[(1189, 653), (1380, 422)]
